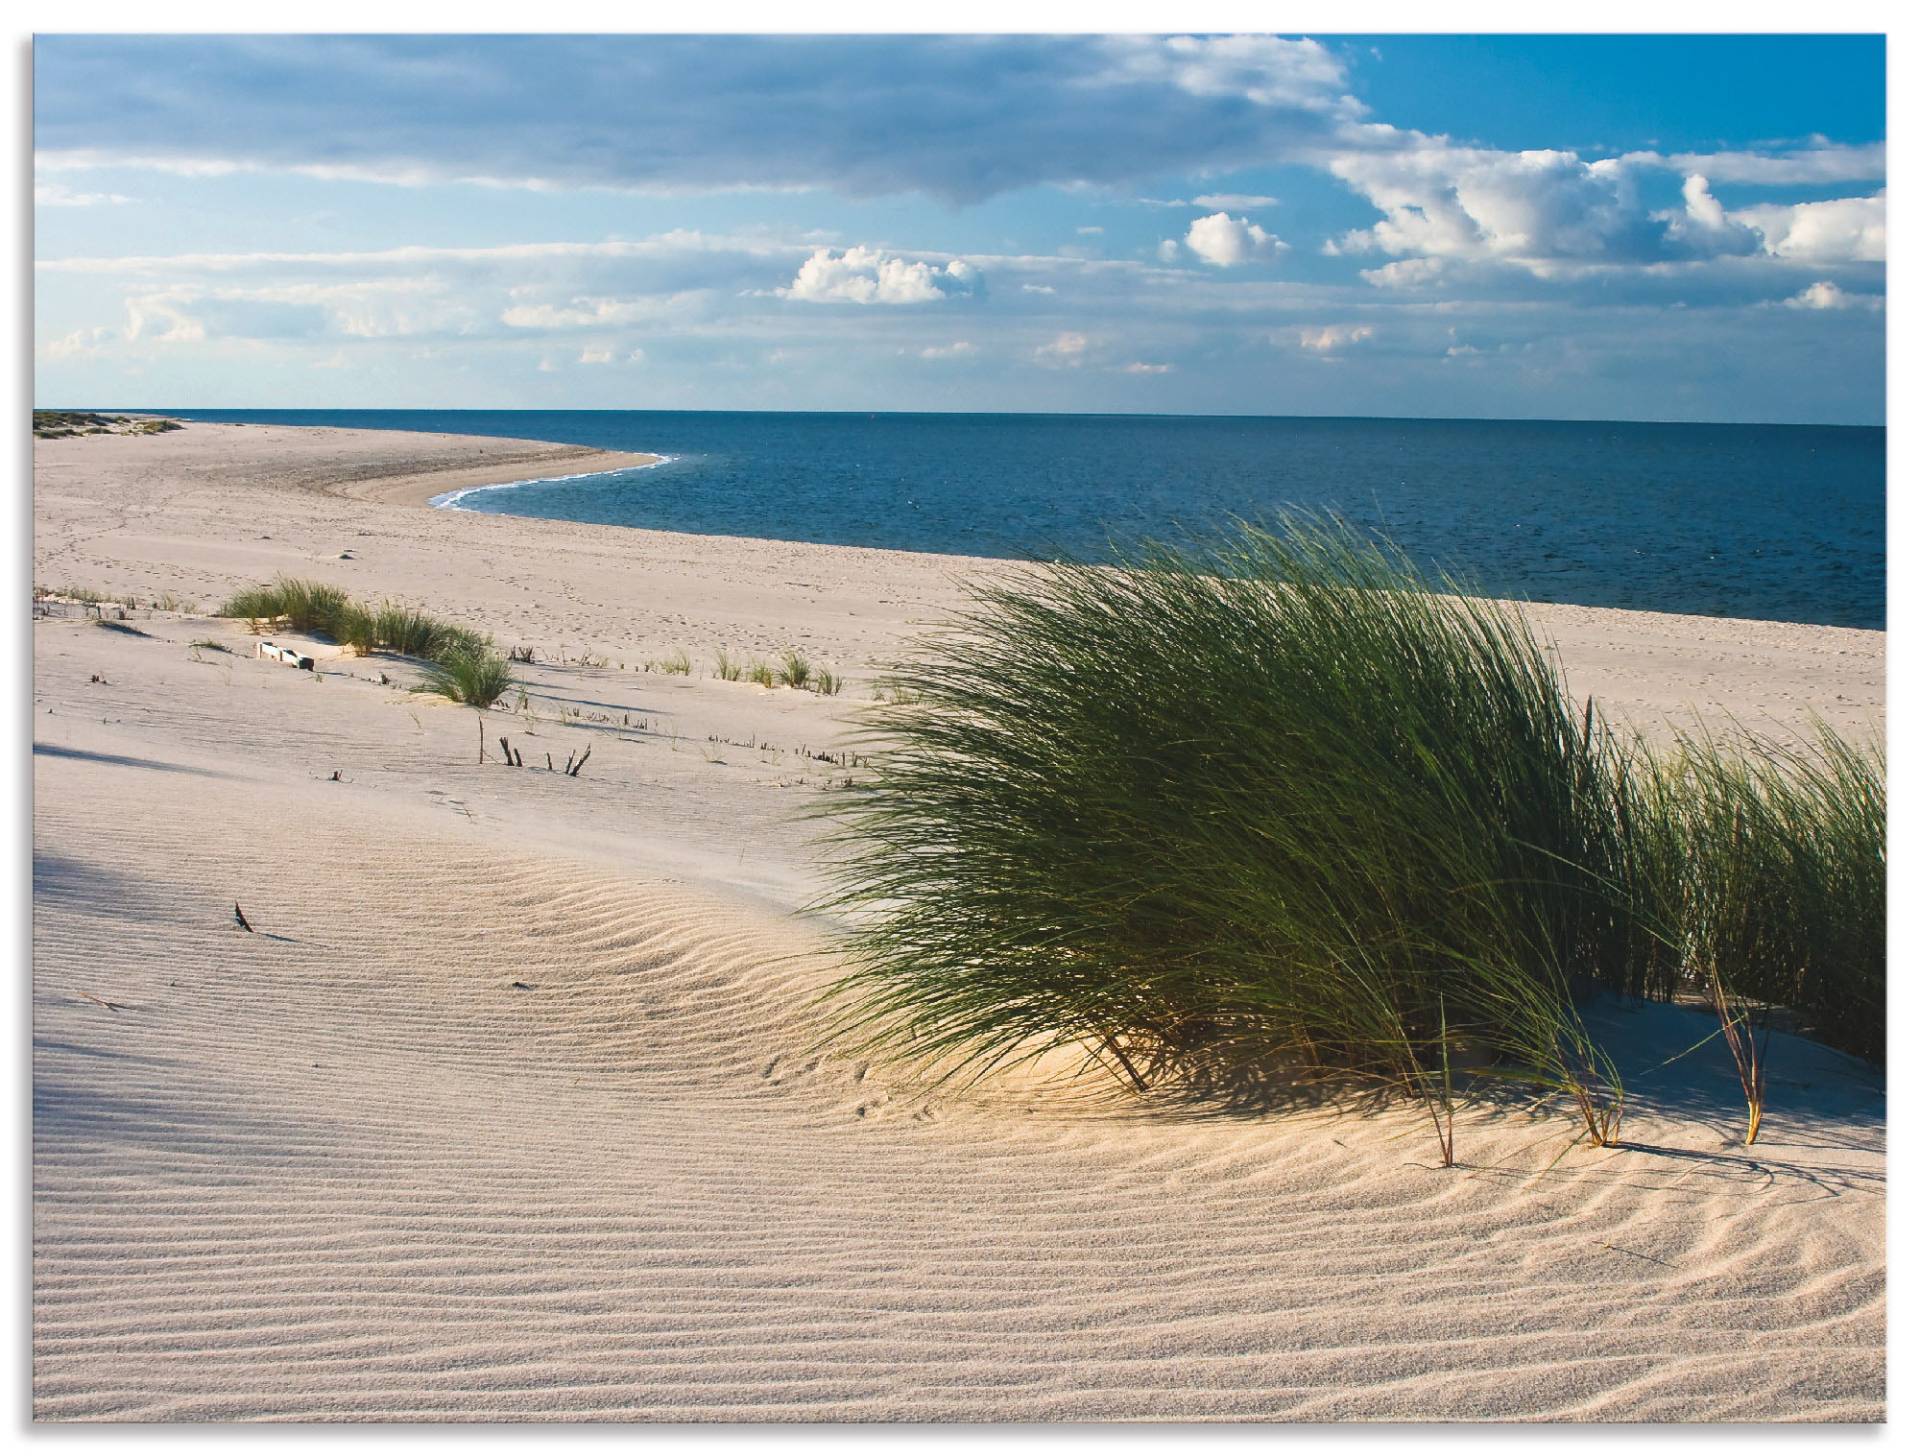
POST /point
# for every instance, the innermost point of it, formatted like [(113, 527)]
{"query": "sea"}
[(1782, 522)]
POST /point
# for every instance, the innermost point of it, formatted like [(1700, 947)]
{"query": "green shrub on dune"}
[(1273, 810)]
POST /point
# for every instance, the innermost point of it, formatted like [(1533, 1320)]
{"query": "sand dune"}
[(513, 1106)]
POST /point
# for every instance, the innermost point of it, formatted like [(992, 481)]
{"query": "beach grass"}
[(478, 678), (795, 670), (459, 662), (1277, 809)]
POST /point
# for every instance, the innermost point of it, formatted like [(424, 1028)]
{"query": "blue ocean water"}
[(1786, 522)]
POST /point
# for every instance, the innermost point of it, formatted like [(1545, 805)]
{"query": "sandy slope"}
[(512, 1107)]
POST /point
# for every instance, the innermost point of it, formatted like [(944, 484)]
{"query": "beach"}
[(515, 1103)]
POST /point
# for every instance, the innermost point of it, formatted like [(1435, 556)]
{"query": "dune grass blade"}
[(1249, 811)]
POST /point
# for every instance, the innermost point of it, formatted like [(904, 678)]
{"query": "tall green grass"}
[(1762, 871), (478, 679), (1269, 811), (1267, 804)]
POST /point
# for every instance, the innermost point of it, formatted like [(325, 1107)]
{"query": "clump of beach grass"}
[(676, 664), (1268, 803), (828, 683), (459, 663), (727, 667), (1761, 874), (305, 606), (478, 678), (795, 670), (762, 673), (1278, 809)]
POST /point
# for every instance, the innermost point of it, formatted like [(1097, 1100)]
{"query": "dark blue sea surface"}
[(1776, 521)]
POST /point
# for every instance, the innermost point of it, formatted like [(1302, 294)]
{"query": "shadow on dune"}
[(122, 760), (93, 1095), (104, 891)]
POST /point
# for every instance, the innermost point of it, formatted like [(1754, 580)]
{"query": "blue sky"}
[(1553, 226)]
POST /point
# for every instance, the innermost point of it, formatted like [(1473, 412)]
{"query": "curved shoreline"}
[(450, 500), (434, 486)]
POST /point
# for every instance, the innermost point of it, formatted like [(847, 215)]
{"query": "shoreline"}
[(845, 603)]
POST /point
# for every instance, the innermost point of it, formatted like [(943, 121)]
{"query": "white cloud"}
[(1168, 251), (81, 343), (1827, 294), (1140, 367), (1703, 228), (596, 356), (1408, 272), (590, 312), (1090, 232), (1445, 201), (1228, 201), (1331, 338), (1224, 241), (958, 349), (1036, 288), (1066, 351), (58, 194), (1263, 69), (1824, 163), (864, 275), (1545, 210), (1845, 230)]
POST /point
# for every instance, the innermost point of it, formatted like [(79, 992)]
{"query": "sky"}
[(1563, 227)]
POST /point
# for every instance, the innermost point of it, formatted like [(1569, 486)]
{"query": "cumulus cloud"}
[(1845, 230), (864, 275), (1827, 294), (1331, 338), (1544, 208), (1225, 241), (1408, 272), (1456, 202)]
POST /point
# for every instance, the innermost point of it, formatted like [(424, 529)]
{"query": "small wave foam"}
[(450, 500)]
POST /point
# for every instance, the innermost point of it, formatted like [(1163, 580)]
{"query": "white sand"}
[(346, 1168)]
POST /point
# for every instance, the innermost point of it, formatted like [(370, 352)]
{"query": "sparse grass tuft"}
[(478, 678), (827, 683), (678, 665), (762, 674), (725, 667), (795, 670)]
